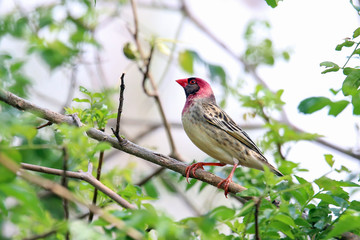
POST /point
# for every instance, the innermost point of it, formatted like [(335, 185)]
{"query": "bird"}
[(213, 131)]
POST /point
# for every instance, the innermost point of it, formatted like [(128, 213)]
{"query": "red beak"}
[(182, 82)]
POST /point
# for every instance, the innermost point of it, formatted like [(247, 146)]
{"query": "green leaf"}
[(168, 185), (24, 194), (270, 178), (333, 91), (81, 100), (283, 227), (302, 222), (355, 205), (186, 61), (25, 130), (346, 223), (335, 186), (285, 219), (343, 169), (16, 66), (3, 209), (313, 104), (337, 107), (151, 190), (250, 192), (217, 73), (84, 90), (329, 159), (272, 3), (307, 186), (356, 33), (6, 175), (326, 198), (81, 231), (347, 43), (286, 55), (223, 213), (355, 100), (102, 146), (330, 67), (351, 82)]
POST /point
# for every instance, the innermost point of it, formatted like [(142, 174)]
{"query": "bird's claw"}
[(226, 183), (192, 168)]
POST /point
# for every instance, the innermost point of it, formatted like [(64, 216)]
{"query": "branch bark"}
[(125, 146), (86, 176)]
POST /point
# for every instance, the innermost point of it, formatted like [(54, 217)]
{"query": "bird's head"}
[(196, 88)]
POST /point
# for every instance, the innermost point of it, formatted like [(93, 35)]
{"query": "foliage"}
[(320, 209), (350, 85), (99, 111), (260, 50)]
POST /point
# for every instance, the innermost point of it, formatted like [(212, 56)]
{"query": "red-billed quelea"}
[(215, 133)]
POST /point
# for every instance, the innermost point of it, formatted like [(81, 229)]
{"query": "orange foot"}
[(227, 181), (192, 168)]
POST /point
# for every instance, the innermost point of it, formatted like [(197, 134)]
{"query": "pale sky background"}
[(309, 29)]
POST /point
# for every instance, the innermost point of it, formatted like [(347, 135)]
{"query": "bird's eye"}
[(193, 81)]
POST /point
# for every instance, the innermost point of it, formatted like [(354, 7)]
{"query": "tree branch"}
[(121, 102), (98, 175), (257, 206), (125, 146), (86, 176), (64, 183), (41, 236), (146, 72), (64, 193)]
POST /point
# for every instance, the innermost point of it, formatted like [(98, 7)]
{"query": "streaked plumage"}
[(215, 133)]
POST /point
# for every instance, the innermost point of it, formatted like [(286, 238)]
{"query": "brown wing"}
[(220, 119)]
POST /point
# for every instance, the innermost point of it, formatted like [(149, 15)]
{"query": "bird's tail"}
[(277, 172)]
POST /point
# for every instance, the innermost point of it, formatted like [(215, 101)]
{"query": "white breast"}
[(204, 140)]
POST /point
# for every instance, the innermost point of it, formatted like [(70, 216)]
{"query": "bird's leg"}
[(195, 166), (228, 180)]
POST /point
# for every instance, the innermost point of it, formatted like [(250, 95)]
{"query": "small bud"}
[(130, 51)]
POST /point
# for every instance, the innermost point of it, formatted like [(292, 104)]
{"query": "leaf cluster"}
[(99, 110), (350, 85)]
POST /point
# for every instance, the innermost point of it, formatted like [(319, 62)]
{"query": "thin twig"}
[(99, 69), (41, 236), (146, 179), (65, 193), (44, 125), (72, 87), (187, 201), (121, 102), (86, 176), (98, 175), (147, 69), (174, 153), (268, 120), (65, 185), (257, 206), (169, 62)]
